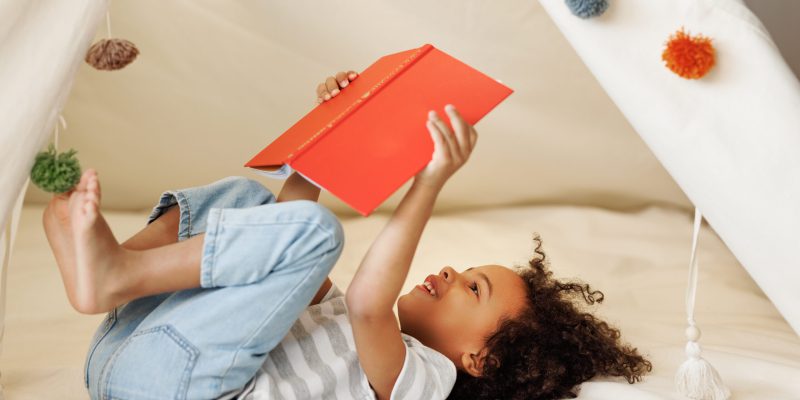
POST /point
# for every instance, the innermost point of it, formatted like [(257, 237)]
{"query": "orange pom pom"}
[(690, 57)]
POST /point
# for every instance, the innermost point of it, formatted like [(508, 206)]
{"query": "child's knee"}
[(324, 222)]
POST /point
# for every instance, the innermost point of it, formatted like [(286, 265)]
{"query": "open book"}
[(366, 142)]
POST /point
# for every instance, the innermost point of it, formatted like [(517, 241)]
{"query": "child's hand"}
[(450, 150), (333, 85)]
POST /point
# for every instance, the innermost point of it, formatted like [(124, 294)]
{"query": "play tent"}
[(727, 139)]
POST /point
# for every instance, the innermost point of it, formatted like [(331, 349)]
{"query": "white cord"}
[(691, 288), (108, 22), (63, 125), (696, 378)]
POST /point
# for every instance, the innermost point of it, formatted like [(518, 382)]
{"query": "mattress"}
[(639, 259)]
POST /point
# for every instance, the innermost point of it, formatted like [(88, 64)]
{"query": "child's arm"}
[(298, 188), (377, 283)]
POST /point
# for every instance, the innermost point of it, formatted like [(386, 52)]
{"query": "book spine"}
[(374, 90)]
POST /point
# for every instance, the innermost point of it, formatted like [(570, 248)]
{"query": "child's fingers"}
[(473, 137), (440, 149), (332, 85), (461, 129), (322, 93), (447, 134), (341, 79)]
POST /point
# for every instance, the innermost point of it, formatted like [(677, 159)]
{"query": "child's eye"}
[(474, 287)]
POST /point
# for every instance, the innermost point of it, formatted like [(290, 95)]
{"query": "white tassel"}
[(696, 378)]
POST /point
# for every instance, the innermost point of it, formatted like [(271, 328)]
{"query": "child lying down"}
[(224, 294)]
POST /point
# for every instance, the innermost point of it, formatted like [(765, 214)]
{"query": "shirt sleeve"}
[(332, 293), (426, 374)]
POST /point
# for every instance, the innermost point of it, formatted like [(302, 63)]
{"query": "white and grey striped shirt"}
[(317, 359)]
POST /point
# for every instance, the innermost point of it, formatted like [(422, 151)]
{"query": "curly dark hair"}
[(552, 346)]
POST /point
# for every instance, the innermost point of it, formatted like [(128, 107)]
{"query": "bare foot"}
[(58, 230), (99, 259)]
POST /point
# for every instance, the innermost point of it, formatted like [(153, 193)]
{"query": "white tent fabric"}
[(729, 140), (41, 45), (6, 245)]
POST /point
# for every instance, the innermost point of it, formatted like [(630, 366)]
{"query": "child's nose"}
[(449, 274)]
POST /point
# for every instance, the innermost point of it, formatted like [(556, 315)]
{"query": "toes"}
[(91, 197), (84, 201), (85, 176), (90, 210), (82, 183), (93, 189), (87, 212), (91, 186)]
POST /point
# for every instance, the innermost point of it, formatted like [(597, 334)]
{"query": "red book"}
[(366, 142)]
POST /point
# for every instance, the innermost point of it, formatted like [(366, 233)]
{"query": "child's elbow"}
[(355, 305), (361, 305)]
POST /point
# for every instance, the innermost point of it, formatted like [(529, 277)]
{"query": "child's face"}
[(464, 311)]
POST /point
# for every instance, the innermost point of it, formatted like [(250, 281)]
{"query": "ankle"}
[(170, 220), (125, 276)]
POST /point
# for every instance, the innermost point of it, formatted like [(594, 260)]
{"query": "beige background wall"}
[(216, 81)]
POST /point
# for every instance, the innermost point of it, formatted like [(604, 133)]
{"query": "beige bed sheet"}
[(638, 259)]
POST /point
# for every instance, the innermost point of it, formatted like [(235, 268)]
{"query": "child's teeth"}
[(430, 287)]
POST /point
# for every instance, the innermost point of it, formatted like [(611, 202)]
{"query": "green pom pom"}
[(56, 173)]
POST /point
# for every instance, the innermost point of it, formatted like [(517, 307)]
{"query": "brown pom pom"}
[(111, 54)]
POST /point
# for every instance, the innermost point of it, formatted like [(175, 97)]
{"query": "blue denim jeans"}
[(262, 264)]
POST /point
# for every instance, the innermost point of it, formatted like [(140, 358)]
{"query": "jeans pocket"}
[(154, 364), (99, 334)]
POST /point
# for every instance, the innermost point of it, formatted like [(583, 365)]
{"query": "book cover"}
[(366, 142)]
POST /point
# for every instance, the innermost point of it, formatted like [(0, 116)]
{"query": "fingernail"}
[(431, 114), (352, 76), (327, 96), (449, 107), (334, 92), (343, 83)]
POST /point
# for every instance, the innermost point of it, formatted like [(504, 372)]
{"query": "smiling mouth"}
[(428, 288)]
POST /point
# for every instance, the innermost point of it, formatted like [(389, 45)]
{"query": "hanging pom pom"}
[(111, 54), (587, 8), (56, 173), (689, 57), (696, 378)]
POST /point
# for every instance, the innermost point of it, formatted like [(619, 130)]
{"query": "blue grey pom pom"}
[(587, 8)]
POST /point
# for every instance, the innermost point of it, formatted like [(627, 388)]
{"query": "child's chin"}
[(402, 299), (406, 296), (406, 303)]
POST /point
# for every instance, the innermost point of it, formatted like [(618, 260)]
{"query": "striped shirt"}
[(317, 359)]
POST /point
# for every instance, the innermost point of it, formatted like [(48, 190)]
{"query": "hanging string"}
[(108, 22), (696, 378), (691, 288), (63, 125)]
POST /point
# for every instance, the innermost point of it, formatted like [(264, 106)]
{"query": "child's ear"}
[(473, 363)]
